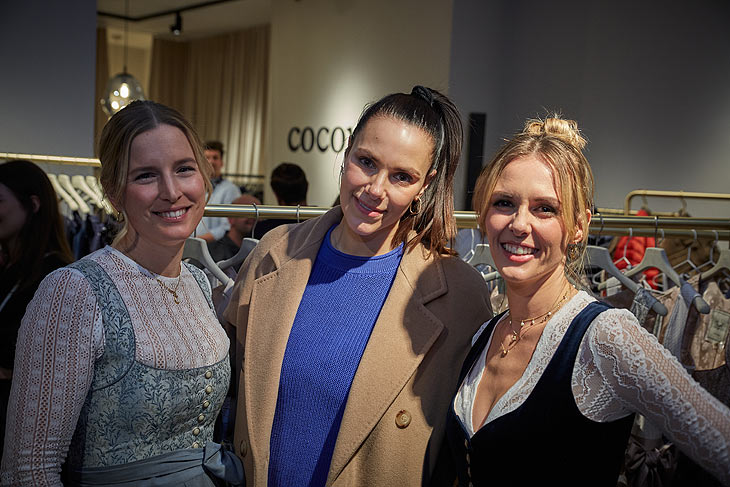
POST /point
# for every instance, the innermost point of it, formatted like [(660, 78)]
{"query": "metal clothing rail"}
[(671, 194), (620, 211), (72, 161), (648, 226)]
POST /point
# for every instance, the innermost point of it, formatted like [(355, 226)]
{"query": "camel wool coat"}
[(393, 427)]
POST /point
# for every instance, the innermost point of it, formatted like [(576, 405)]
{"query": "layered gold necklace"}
[(527, 324)]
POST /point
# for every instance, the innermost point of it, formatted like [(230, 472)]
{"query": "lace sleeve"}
[(640, 375), (59, 340)]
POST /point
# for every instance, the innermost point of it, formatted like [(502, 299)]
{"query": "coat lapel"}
[(403, 334), (274, 303)]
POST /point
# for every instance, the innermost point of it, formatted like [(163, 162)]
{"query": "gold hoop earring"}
[(419, 206)]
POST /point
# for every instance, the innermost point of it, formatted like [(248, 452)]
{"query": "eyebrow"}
[(543, 199), (372, 156), (184, 160)]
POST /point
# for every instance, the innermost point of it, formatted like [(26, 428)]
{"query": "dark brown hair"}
[(289, 183), (43, 232)]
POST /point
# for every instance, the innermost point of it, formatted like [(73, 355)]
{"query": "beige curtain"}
[(102, 78), (220, 85)]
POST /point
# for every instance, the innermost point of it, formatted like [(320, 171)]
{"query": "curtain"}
[(102, 78), (220, 84)]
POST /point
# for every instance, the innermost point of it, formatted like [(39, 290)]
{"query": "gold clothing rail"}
[(671, 194), (648, 226), (72, 161)]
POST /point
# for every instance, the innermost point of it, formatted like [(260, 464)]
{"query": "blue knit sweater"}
[(339, 307)]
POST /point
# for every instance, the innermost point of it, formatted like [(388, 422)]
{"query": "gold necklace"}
[(171, 290), (516, 336)]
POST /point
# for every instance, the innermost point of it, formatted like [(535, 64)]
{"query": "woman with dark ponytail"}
[(353, 323)]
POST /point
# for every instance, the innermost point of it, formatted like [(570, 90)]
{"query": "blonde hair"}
[(116, 141), (558, 143)]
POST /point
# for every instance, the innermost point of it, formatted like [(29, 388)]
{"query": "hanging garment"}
[(710, 350)]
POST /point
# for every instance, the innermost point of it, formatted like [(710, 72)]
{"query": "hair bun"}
[(565, 130)]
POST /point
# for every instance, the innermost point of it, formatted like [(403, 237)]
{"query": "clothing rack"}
[(621, 211), (606, 222), (72, 161), (647, 226), (643, 193)]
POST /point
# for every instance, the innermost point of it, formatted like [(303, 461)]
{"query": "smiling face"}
[(164, 198), (526, 232), (386, 167)]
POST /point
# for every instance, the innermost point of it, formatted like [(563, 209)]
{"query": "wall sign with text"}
[(322, 139)]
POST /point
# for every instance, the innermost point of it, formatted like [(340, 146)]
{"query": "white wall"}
[(331, 57), (47, 58), (648, 82)]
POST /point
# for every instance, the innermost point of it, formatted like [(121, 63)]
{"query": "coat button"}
[(243, 448), (196, 444), (402, 419), (208, 389), (196, 431), (201, 418), (206, 404), (208, 374)]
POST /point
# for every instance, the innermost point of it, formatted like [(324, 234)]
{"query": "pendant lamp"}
[(123, 88)]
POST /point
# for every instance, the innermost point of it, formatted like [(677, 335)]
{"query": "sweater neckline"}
[(384, 263)]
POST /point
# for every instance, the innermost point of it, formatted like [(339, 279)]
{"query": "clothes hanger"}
[(688, 260), (600, 257), (722, 264), (79, 182), (197, 248), (613, 282), (657, 257), (94, 184), (65, 181), (62, 193), (247, 245), (482, 255), (96, 187)]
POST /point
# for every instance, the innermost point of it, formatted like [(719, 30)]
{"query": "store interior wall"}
[(47, 57), (329, 58), (648, 83)]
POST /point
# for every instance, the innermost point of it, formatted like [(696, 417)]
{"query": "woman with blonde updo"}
[(550, 387)]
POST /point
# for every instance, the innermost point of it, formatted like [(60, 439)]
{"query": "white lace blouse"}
[(620, 369), (60, 338)]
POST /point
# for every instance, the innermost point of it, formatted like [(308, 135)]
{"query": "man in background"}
[(290, 185), (224, 192)]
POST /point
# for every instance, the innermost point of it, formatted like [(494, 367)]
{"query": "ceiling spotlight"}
[(176, 28)]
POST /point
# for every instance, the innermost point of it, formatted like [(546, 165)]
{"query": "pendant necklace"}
[(172, 291), (527, 324)]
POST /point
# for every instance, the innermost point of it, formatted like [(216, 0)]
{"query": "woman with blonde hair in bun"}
[(549, 390)]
